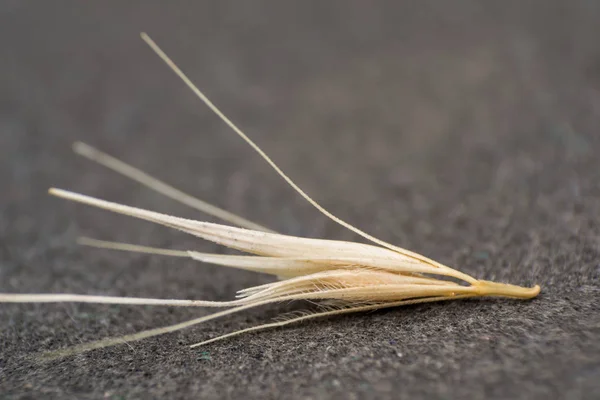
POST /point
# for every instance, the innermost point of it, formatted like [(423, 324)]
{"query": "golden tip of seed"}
[(487, 288)]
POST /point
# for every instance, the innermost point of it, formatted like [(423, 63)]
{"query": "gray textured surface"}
[(466, 132)]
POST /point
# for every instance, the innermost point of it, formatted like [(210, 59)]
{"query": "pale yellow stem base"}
[(487, 288)]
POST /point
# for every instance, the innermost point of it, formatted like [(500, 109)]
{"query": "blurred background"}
[(466, 130)]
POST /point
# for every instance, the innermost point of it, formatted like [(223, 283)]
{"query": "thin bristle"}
[(348, 310), (103, 343), (268, 265), (79, 298), (104, 244), (161, 187)]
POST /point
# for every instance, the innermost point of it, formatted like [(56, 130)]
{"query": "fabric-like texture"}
[(466, 131)]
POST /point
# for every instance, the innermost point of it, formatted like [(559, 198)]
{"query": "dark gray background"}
[(467, 131)]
